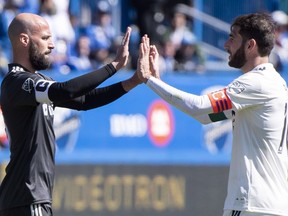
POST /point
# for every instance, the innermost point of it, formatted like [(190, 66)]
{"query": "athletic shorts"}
[(243, 213), (40, 209)]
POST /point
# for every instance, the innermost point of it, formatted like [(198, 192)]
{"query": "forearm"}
[(95, 98), (191, 104), (61, 91)]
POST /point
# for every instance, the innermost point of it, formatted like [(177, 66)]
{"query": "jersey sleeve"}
[(212, 107), (19, 89), (191, 104), (246, 91)]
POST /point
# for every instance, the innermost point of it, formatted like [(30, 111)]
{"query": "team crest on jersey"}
[(236, 87), (28, 85)]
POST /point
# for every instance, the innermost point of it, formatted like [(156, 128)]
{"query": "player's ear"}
[(24, 39), (251, 44)]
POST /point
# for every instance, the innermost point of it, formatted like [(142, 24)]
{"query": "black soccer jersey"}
[(29, 125), (28, 101)]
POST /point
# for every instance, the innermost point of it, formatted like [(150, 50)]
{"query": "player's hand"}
[(143, 65), (154, 61), (122, 55)]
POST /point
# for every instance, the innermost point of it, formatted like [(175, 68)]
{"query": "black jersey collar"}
[(14, 67)]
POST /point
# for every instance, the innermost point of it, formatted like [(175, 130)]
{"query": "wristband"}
[(110, 69)]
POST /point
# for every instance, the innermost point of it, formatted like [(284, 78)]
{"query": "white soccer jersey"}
[(259, 163), (257, 104)]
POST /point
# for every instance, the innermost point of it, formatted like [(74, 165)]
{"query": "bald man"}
[(28, 99)]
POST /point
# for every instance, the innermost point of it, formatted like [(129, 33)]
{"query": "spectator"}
[(152, 16), (167, 56), (78, 28), (81, 61), (279, 55), (10, 10), (47, 9), (189, 57), (179, 29), (102, 33), (57, 15), (61, 21)]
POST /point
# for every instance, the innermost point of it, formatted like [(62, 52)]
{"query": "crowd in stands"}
[(179, 48), (85, 37), (77, 46)]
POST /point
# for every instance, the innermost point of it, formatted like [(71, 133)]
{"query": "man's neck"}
[(250, 65)]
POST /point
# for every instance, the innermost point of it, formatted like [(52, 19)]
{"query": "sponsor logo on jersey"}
[(160, 123), (261, 68), (236, 87), (17, 68), (28, 85)]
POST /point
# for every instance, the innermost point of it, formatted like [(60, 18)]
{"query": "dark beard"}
[(37, 60), (238, 59)]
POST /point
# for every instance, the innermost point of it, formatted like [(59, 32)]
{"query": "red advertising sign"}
[(160, 123)]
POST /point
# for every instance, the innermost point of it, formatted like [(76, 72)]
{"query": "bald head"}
[(25, 23), (31, 41)]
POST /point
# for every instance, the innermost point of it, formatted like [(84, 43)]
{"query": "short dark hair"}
[(260, 27)]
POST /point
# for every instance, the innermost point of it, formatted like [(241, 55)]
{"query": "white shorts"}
[(243, 213)]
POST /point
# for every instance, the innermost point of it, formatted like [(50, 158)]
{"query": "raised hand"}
[(143, 65), (154, 61), (122, 55)]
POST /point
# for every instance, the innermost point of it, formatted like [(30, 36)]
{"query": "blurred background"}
[(139, 155)]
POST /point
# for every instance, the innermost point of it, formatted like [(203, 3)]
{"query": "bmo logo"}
[(160, 123)]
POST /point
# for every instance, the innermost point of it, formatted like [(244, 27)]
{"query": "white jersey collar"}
[(263, 67)]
